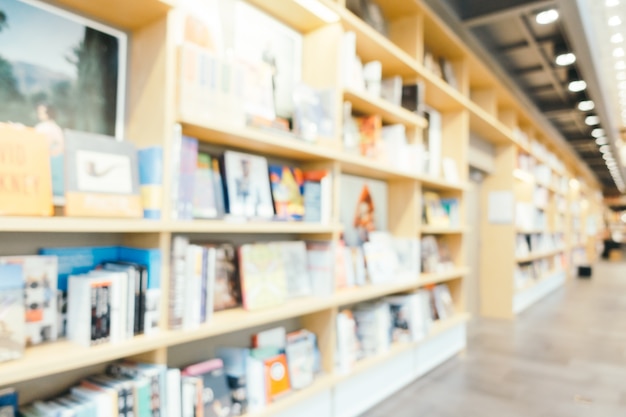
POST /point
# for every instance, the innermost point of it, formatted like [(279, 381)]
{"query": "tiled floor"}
[(564, 357)]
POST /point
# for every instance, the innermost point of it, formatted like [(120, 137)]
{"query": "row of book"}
[(529, 217), (538, 149), (237, 381), (436, 256), (89, 295), (527, 244), (209, 277), (528, 273), (370, 329), (242, 185)]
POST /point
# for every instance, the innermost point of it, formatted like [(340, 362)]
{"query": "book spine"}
[(95, 311), (177, 144), (204, 288), (106, 313), (177, 282)]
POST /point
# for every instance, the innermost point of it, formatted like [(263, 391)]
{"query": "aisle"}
[(565, 357)]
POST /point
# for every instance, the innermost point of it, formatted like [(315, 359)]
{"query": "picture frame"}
[(102, 178), (56, 67)]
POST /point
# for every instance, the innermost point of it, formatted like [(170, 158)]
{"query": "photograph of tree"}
[(59, 71)]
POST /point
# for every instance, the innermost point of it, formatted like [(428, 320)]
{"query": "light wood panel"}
[(366, 103), (121, 13)]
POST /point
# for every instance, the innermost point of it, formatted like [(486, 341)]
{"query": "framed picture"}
[(102, 177), (61, 69)]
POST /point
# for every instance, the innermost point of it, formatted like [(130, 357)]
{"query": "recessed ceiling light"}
[(565, 59), (547, 16), (592, 120), (615, 21), (604, 148), (611, 3), (617, 38), (576, 86), (602, 141), (586, 105), (597, 132)]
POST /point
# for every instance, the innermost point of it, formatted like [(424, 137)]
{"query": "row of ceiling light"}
[(578, 85)]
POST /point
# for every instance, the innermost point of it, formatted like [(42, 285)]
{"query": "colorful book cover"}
[(8, 402), (227, 292), (40, 296), (248, 186), (301, 358), (277, 381), (12, 326), (317, 191), (370, 128), (214, 380), (25, 172), (218, 186), (151, 181), (287, 192), (321, 265), (204, 202), (263, 279), (363, 207)]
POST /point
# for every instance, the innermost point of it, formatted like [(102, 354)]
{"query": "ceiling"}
[(508, 33)]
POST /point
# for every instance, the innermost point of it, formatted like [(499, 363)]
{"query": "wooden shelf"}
[(220, 226), (427, 279), (62, 356), (530, 231), (124, 14), (436, 230), (439, 184), (256, 140), (78, 225), (291, 13), (487, 126), (327, 381), (534, 257), (367, 103)]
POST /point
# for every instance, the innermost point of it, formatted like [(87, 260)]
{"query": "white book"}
[(119, 302), (132, 276), (391, 90), (188, 396), (434, 143), (211, 271), (294, 257), (177, 293), (348, 54), (81, 296), (255, 380), (102, 400), (373, 74), (193, 287), (173, 390)]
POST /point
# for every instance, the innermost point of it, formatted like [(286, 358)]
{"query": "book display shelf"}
[(474, 102)]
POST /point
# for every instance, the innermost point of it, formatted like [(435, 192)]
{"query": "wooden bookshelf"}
[(366, 103), (480, 105), (536, 256)]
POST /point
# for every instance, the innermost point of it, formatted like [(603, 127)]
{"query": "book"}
[(247, 186), (184, 163), (294, 257), (372, 73), (272, 338), (262, 273), (213, 381), (25, 172), (218, 186), (318, 196), (347, 342), (434, 212), (40, 296), (391, 90), (12, 324), (433, 141), (370, 130), (204, 200), (413, 97), (236, 370), (301, 358), (447, 72), (101, 176), (227, 293), (363, 208), (443, 302), (8, 402), (178, 275), (429, 254), (287, 192), (150, 161), (277, 381), (173, 385), (89, 307), (321, 267), (380, 258)]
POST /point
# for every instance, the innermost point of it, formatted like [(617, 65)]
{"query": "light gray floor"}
[(564, 357)]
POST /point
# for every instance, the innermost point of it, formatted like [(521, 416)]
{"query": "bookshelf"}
[(479, 104)]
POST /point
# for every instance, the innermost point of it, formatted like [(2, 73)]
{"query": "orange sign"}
[(25, 179)]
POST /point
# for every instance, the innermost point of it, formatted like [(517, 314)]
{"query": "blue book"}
[(151, 181), (79, 260), (8, 402)]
